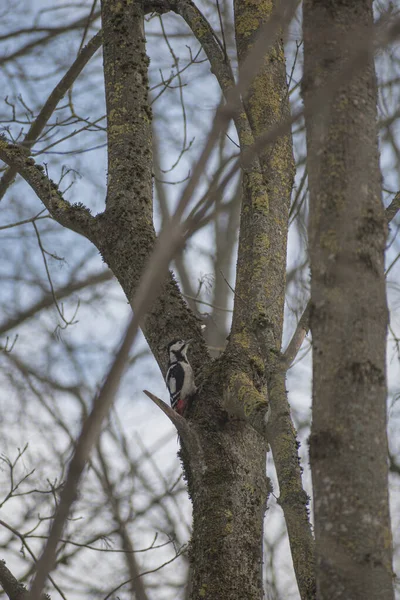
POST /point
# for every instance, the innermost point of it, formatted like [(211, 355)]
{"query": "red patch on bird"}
[(180, 406)]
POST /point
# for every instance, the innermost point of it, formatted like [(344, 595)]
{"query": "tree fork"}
[(225, 464)]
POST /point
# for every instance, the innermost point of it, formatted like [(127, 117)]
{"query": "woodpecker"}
[(180, 377)]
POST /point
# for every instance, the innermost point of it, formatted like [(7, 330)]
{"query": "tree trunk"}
[(224, 431), (260, 288), (348, 445), (229, 491), (226, 480)]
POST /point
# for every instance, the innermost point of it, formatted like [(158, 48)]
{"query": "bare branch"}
[(393, 208), (303, 327), (47, 301), (50, 105), (88, 437), (179, 422), (72, 216), (205, 34), (11, 586), (52, 33), (178, 553)]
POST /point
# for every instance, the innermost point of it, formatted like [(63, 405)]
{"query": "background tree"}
[(348, 232), (223, 437)]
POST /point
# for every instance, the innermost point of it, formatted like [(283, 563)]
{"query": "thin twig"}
[(31, 553), (25, 221), (59, 310), (207, 303), (50, 105), (168, 562), (87, 439)]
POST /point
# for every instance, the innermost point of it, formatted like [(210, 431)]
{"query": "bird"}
[(180, 376)]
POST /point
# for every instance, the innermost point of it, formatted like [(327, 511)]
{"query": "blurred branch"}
[(138, 587), (170, 242), (302, 329), (47, 301), (163, 203), (225, 236), (393, 208), (303, 326), (178, 553), (394, 467), (52, 33), (87, 439)]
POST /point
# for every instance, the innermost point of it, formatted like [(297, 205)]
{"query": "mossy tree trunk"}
[(224, 448), (225, 430), (226, 480)]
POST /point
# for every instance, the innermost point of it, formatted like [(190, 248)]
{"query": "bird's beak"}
[(189, 342)]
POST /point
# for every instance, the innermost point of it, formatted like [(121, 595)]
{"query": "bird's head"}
[(177, 349)]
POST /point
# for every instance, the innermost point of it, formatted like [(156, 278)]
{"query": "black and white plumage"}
[(180, 377)]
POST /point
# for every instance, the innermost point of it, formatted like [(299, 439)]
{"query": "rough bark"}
[(229, 499), (261, 278), (125, 234), (226, 472), (348, 445), (229, 488), (227, 480), (12, 587), (267, 185)]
